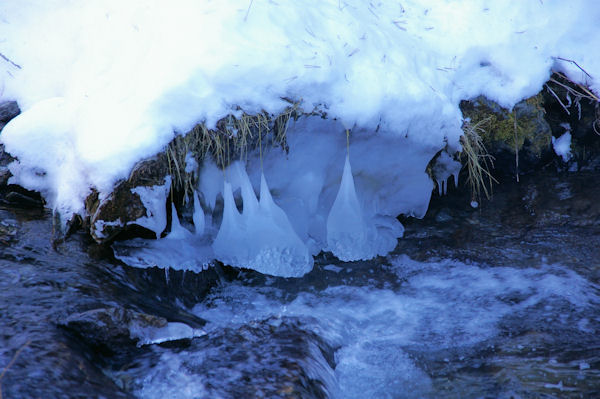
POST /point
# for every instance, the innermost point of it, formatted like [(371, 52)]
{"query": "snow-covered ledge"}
[(105, 84)]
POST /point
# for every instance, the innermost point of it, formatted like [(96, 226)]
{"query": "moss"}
[(511, 130)]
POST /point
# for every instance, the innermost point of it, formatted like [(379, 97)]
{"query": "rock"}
[(123, 207), (19, 197), (110, 328), (581, 115), (8, 110), (523, 132), (272, 358), (4, 175)]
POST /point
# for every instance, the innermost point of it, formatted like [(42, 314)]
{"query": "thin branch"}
[(10, 61), (248, 10), (558, 99), (576, 64)]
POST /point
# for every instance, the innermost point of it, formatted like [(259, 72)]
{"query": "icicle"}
[(198, 217), (178, 232), (455, 174), (248, 194)]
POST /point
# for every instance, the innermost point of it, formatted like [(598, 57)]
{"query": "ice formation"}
[(350, 236), (107, 83), (154, 199), (198, 217), (261, 237), (178, 232), (445, 166)]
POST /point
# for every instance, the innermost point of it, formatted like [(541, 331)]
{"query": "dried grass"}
[(232, 138), (477, 159)]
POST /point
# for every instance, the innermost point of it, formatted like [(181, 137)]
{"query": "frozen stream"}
[(498, 302)]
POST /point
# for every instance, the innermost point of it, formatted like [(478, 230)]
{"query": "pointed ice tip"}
[(265, 193), (198, 217), (177, 230)]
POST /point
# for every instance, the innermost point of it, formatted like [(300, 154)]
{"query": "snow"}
[(103, 84), (562, 146)]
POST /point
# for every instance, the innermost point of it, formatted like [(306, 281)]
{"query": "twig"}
[(558, 99), (576, 64), (589, 95), (246, 17), (11, 62)]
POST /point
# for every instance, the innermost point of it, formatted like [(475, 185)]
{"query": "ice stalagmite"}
[(282, 253), (178, 232), (353, 235), (346, 228), (229, 241), (198, 216), (261, 238)]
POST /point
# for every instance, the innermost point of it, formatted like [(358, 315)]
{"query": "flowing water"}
[(497, 302)]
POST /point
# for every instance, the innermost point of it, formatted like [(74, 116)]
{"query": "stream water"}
[(502, 301)]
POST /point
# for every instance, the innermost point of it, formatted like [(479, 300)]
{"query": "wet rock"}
[(66, 373), (71, 315), (110, 328), (272, 358), (8, 228), (580, 115), (4, 174), (17, 196), (5, 160), (519, 140), (122, 208), (8, 110), (545, 218)]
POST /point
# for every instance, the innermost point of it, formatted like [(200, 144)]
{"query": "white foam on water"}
[(174, 380), (444, 305)]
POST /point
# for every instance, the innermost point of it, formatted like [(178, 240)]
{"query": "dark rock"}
[(4, 175), (109, 328), (8, 110), (5, 160), (272, 358), (17, 196), (119, 211), (581, 115)]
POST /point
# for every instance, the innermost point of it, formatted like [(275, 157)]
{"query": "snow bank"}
[(105, 83)]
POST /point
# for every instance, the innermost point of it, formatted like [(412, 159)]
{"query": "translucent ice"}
[(261, 238), (178, 232), (352, 235), (346, 229), (198, 216), (154, 199)]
